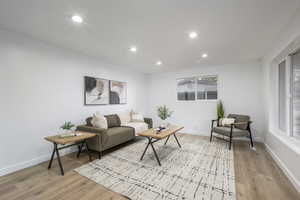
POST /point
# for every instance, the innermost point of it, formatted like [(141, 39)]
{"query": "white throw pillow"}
[(136, 117), (124, 117), (227, 121), (99, 121)]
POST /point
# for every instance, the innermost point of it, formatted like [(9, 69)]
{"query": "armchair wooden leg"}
[(230, 140), (251, 141), (211, 131)]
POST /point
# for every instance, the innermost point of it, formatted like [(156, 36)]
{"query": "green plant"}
[(67, 126), (220, 110), (163, 112)]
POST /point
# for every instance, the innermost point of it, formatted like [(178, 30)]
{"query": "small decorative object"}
[(163, 113), (117, 92), (96, 91), (220, 110), (67, 126)]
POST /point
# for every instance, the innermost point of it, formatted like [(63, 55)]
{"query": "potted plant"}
[(67, 127), (220, 111), (164, 113)]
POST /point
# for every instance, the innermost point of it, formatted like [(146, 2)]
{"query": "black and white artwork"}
[(186, 89), (96, 91), (118, 92)]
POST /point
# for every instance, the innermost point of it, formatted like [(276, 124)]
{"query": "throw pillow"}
[(113, 121), (227, 121), (136, 117), (99, 121), (125, 117)]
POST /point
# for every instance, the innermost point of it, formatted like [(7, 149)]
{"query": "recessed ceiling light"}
[(193, 35), (77, 19), (158, 63), (204, 55), (133, 49)]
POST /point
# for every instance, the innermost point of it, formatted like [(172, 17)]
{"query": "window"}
[(197, 88), (288, 103), (282, 95), (295, 59)]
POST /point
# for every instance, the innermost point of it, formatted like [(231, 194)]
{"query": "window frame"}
[(196, 88)]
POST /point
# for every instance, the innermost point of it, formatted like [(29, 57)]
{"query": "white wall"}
[(239, 87), (285, 150), (42, 87)]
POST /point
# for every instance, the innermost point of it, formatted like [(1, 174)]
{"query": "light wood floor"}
[(257, 178)]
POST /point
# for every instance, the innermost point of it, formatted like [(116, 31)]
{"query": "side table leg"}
[(149, 141), (155, 154), (58, 158), (167, 140), (87, 150), (177, 140), (52, 156), (79, 149)]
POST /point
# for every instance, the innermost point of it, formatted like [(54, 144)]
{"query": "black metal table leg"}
[(58, 158), (167, 140), (177, 140), (87, 150), (149, 141), (79, 149), (52, 156), (155, 154)]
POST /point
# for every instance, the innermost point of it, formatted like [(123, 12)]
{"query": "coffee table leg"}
[(79, 149), (155, 154), (177, 140), (149, 142), (52, 156), (87, 150), (58, 158), (167, 140)]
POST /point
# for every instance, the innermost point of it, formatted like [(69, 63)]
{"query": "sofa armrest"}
[(90, 129), (149, 122)]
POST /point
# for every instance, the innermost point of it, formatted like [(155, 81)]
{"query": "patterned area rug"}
[(199, 170)]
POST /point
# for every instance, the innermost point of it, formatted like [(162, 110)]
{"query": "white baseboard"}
[(32, 162), (285, 170)]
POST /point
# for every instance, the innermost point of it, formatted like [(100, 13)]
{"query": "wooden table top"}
[(165, 133), (59, 140)]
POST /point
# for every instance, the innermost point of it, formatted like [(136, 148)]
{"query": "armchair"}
[(241, 127)]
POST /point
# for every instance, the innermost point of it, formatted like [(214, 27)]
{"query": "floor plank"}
[(257, 177)]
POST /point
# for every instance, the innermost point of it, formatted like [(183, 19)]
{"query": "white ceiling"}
[(230, 31)]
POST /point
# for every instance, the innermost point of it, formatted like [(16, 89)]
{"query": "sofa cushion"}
[(117, 135), (113, 121), (138, 126), (124, 117), (137, 117), (89, 121)]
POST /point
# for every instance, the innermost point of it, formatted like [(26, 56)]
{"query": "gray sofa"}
[(113, 136)]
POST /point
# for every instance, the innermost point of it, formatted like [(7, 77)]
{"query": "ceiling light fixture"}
[(193, 35), (204, 55), (158, 63), (77, 19), (133, 49)]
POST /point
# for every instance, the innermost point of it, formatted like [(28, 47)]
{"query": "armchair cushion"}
[(240, 118), (223, 130)]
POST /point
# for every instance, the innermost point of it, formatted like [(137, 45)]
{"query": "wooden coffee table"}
[(153, 136), (79, 141)]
